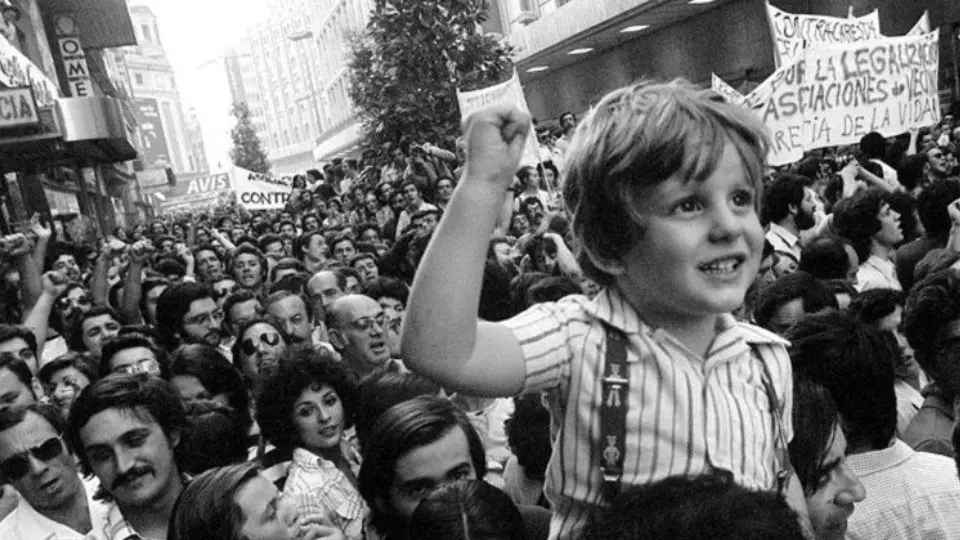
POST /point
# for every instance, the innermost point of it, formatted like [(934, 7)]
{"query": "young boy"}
[(662, 185)]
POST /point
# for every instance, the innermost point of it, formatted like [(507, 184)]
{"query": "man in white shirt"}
[(789, 209), (415, 203), (910, 495), (55, 504), (868, 222)]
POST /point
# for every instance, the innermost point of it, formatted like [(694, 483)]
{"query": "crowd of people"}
[(648, 334)]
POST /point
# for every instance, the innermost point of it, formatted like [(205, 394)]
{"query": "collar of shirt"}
[(732, 337), (34, 525), (312, 462), (788, 237), (116, 526), (879, 460)]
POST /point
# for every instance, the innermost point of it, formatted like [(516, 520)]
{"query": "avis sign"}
[(17, 108)]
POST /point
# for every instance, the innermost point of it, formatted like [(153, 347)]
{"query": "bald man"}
[(358, 331)]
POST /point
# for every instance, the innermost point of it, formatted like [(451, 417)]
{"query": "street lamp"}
[(305, 35)]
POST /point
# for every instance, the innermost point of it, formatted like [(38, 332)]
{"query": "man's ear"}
[(337, 338), (793, 209)]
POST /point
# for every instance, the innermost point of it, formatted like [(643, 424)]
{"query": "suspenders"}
[(613, 417)]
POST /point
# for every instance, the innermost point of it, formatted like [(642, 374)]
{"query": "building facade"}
[(68, 152), (163, 123), (570, 53), (300, 55)]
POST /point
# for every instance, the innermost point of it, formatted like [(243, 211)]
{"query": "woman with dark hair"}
[(531, 186), (237, 503), (65, 377), (466, 510), (303, 410), (831, 489), (200, 372)]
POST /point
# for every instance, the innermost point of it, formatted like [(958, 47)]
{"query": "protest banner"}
[(835, 95), (794, 33), (194, 193), (509, 92), (922, 26), (257, 191), (728, 92)]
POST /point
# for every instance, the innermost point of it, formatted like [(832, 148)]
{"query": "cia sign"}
[(17, 108)]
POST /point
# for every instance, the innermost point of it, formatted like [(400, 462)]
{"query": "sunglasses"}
[(221, 293), (249, 346), (80, 301), (16, 467)]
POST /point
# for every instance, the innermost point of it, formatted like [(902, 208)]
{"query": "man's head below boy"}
[(663, 184)]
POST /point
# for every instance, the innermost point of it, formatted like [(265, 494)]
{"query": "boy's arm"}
[(37, 319), (442, 338)]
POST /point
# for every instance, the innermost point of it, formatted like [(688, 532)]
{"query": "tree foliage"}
[(247, 151), (414, 55)]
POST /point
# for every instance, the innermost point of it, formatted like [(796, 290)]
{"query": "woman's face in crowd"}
[(266, 516), (549, 177), (832, 503), (318, 416), (191, 389), (519, 225), (371, 202), (310, 223)]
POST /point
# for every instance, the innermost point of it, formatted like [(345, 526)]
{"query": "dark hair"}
[(169, 266), (466, 510), (681, 508), (267, 239), (302, 368), (904, 204), (206, 507), (82, 362), (148, 285), (386, 287), (933, 303), (528, 434), (249, 249), (813, 294), (825, 257), (302, 241), (873, 145), (552, 289), (855, 219), (216, 374), (340, 239), (292, 283), (137, 394), (910, 171), (287, 264), (785, 191), (233, 299), (932, 206), (856, 364), (75, 337), (401, 429), (129, 341), (215, 436), (174, 303), (874, 304), (13, 331), (383, 388), (815, 420), (363, 255)]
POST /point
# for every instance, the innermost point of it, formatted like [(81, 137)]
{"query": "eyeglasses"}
[(17, 466), (366, 323), (206, 318), (67, 302), (145, 365), (222, 293), (249, 346)]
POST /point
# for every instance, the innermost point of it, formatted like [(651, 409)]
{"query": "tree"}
[(407, 66), (247, 151)]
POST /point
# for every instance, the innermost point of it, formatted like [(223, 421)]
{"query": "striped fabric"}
[(686, 415), (321, 491), (116, 526)]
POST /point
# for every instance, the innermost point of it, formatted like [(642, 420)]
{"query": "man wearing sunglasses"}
[(36, 460), (358, 331)]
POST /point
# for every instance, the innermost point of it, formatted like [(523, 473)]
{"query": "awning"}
[(102, 24)]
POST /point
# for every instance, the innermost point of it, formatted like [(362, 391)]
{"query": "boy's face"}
[(701, 247)]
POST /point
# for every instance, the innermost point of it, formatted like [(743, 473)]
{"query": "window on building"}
[(147, 34), (138, 78)]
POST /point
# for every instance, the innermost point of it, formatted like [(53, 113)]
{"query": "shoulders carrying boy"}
[(653, 377)]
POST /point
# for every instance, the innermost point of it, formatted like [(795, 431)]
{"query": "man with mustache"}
[(188, 313), (125, 430)]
